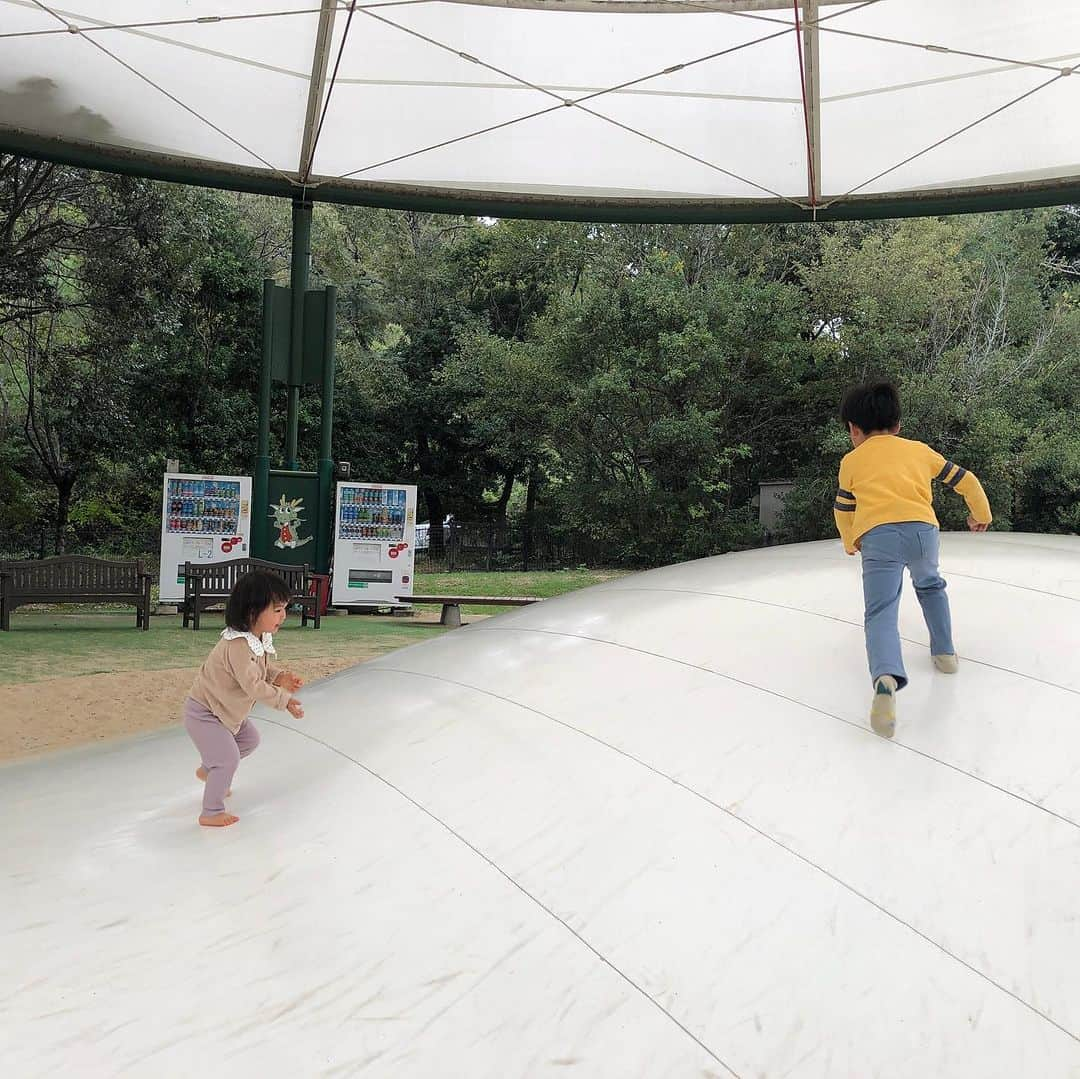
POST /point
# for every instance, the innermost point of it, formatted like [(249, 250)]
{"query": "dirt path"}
[(63, 712)]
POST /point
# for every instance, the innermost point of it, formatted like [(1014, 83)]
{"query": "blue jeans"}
[(886, 550)]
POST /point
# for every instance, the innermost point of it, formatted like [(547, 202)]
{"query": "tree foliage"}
[(633, 384)]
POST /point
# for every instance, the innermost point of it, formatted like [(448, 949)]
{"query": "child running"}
[(885, 509), (236, 674)]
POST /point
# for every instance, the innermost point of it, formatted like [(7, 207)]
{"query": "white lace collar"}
[(257, 646)]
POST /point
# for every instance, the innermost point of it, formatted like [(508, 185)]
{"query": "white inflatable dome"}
[(640, 830)]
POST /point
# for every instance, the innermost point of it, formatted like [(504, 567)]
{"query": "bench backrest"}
[(218, 578), (72, 575)]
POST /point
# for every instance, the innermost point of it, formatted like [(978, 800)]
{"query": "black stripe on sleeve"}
[(841, 493), (960, 474), (949, 466), (843, 509)]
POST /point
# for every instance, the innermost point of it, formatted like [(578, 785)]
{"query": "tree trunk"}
[(63, 508), (504, 498), (531, 492), (432, 499), (436, 541)]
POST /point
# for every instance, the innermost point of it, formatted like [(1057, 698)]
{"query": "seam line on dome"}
[(852, 622), (855, 725), (716, 805), (825, 562), (506, 876)]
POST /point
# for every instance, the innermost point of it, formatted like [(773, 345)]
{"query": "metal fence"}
[(98, 539), (488, 546), (467, 546)]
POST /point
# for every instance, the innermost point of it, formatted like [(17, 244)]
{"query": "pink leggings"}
[(221, 750)]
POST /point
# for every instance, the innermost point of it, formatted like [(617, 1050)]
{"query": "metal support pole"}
[(326, 427), (261, 493), (812, 53), (301, 259), (326, 438), (265, 373)]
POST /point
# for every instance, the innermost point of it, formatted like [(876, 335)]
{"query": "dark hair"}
[(251, 595), (871, 406)]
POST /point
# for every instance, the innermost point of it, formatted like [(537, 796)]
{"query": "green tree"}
[(661, 412)]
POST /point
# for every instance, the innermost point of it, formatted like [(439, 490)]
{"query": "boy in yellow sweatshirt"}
[(885, 509)]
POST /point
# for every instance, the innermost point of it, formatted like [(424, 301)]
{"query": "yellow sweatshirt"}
[(886, 480)]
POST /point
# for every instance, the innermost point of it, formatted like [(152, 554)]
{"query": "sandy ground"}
[(63, 712)]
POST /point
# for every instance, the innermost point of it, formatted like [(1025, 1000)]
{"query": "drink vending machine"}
[(374, 542), (203, 519)]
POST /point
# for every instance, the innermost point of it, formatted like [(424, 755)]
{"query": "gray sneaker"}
[(947, 664), (883, 710)]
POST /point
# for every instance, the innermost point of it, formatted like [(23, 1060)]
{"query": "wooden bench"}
[(209, 584), (451, 605), (74, 579)]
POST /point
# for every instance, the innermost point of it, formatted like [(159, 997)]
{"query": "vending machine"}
[(203, 519), (374, 540)]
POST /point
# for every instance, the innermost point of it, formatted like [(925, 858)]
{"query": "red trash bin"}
[(320, 586)]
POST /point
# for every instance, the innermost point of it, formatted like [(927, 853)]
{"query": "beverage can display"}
[(373, 559)]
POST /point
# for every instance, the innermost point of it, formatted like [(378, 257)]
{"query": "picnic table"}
[(451, 605)]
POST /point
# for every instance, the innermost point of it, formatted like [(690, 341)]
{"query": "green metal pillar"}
[(260, 494), (301, 260), (326, 436)]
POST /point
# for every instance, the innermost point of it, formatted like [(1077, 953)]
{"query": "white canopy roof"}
[(697, 108), (639, 830)]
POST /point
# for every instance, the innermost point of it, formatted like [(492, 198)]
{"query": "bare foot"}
[(217, 820), (201, 773)]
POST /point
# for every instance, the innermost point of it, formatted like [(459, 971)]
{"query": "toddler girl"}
[(236, 674)]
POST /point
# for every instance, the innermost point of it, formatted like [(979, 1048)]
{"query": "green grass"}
[(540, 583), (53, 644), (80, 640)]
